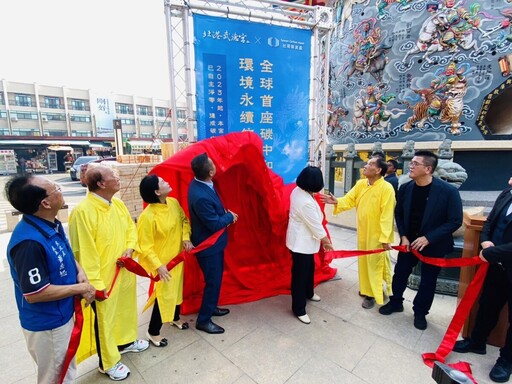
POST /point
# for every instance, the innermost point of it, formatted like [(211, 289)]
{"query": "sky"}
[(117, 46)]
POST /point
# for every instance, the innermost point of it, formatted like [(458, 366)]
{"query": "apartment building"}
[(47, 122)]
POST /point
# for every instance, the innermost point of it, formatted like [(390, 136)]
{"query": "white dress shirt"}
[(305, 223)]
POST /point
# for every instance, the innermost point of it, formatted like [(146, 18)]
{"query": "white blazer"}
[(305, 223)]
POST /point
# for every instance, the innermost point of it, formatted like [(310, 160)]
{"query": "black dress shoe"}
[(420, 322), (501, 371), (220, 312), (467, 345), (209, 327), (390, 308)]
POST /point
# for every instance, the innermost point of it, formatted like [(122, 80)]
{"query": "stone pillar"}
[(445, 150), (329, 177), (407, 155), (350, 158)]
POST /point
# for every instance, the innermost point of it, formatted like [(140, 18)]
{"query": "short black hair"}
[(382, 164), (380, 154), (201, 166), (394, 162), (23, 195), (430, 158), (147, 187), (310, 179)]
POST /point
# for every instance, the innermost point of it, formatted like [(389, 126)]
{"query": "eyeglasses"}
[(57, 189), (414, 164)]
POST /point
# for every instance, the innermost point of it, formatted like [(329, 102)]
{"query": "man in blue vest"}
[(46, 275), (496, 242)]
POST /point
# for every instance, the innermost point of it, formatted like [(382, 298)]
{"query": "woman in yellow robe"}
[(374, 201), (163, 231)]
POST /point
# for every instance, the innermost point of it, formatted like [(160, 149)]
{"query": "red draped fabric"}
[(257, 262)]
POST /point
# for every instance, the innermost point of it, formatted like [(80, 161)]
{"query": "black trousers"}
[(496, 292), (303, 280), (213, 268), (406, 261), (97, 336), (155, 323)]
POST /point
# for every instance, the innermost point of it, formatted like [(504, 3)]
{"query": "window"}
[(2, 102), (146, 122), (3, 114), (79, 105), (80, 118), (52, 102), (127, 135), (144, 110), (52, 132), (182, 114), (161, 112), (24, 115), (165, 136), (125, 109), (128, 121), (56, 116), (164, 123), (81, 133), (25, 132), (144, 135), (23, 100), (4, 131)]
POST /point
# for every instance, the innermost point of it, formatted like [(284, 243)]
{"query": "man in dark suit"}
[(391, 174), (427, 212), (496, 242), (207, 216)]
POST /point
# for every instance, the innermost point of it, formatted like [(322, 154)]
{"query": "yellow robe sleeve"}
[(388, 202), (81, 237), (131, 230), (186, 225), (146, 232), (346, 202)]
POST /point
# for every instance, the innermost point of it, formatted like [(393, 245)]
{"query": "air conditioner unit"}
[(44, 118), (14, 118)]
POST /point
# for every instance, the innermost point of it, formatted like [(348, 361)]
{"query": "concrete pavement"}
[(265, 343)]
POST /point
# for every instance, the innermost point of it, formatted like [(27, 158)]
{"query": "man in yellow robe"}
[(164, 231), (101, 230), (374, 200)]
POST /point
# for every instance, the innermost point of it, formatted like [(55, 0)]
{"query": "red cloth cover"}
[(257, 263)]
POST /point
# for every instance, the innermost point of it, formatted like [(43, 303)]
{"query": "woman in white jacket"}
[(303, 238)]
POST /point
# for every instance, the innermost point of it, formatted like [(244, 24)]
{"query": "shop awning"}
[(60, 148), (45, 142), (99, 145), (145, 144)]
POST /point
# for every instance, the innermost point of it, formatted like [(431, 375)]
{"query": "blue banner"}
[(255, 77)]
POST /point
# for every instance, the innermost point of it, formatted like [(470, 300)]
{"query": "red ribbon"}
[(74, 340), (462, 311), (134, 267)]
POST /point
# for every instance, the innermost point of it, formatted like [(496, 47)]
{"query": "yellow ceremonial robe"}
[(162, 228), (99, 233), (375, 213)]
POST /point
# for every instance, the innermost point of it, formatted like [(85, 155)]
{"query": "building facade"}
[(41, 124)]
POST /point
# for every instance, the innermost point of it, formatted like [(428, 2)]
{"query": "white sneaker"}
[(117, 373), (304, 318), (136, 347), (315, 297)]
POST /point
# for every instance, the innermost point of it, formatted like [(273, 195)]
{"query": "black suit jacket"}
[(499, 253), (442, 217), (207, 216)]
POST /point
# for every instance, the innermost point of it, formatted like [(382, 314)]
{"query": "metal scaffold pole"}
[(181, 67)]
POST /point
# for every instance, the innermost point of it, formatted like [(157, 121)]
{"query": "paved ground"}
[(263, 342)]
